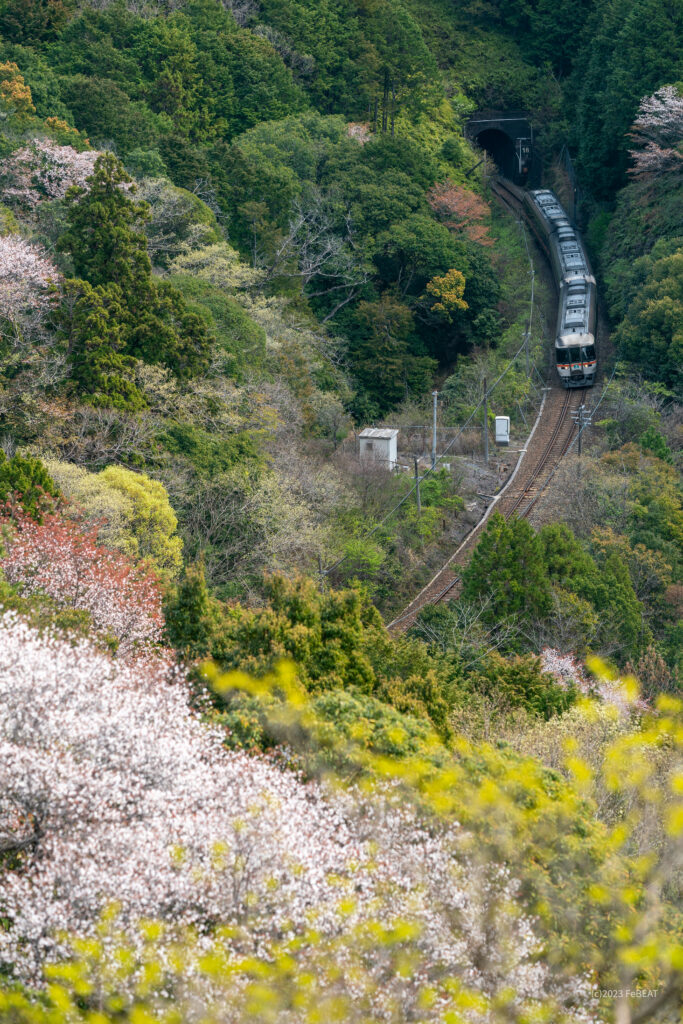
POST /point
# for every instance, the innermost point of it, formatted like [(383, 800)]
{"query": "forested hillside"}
[(232, 234)]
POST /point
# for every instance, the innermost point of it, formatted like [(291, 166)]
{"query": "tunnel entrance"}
[(508, 136), (501, 148)]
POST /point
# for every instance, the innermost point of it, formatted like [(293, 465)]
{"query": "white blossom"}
[(25, 275), (658, 133), (43, 170), (112, 790)]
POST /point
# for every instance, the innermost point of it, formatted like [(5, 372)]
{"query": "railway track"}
[(548, 443)]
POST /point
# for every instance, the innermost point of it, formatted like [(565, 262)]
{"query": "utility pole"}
[(582, 418), (486, 423), (434, 398), (529, 321), (417, 486)]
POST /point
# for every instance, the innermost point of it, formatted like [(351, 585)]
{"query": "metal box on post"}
[(502, 430)]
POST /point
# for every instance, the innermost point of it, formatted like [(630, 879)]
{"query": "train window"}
[(587, 353)]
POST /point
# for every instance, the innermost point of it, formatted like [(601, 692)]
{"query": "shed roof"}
[(379, 433)]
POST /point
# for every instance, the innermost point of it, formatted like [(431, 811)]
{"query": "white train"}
[(575, 351)]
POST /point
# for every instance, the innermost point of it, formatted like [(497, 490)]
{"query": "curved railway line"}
[(549, 441)]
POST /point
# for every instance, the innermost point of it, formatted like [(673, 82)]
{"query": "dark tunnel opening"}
[(501, 147)]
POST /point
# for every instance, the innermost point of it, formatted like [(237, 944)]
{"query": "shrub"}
[(129, 511), (26, 485), (521, 682)]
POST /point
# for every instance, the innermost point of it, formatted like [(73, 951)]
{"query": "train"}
[(575, 349)]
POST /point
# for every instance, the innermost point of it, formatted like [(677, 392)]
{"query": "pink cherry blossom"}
[(63, 559)]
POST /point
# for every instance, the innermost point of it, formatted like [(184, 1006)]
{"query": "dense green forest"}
[(231, 235)]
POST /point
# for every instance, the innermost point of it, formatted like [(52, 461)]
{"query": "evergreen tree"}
[(621, 613), (508, 568), (567, 564), (93, 321), (24, 481), (122, 311), (188, 613), (105, 238), (386, 353)]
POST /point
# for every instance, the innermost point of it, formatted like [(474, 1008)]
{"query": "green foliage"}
[(189, 614), (178, 220), (567, 562), (193, 96), (147, 74), (92, 321), (337, 641), (508, 566), (120, 308), (104, 240), (651, 333), (25, 482), (654, 505), (521, 682), (9, 224), (242, 341), (208, 454), (345, 53), (550, 587), (653, 443), (31, 21), (133, 512), (386, 353), (343, 716), (630, 49)]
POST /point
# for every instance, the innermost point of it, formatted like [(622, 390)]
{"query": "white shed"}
[(380, 444)]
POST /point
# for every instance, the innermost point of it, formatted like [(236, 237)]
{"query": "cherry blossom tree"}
[(43, 170), (113, 791), (63, 559), (461, 210), (658, 133), (26, 272)]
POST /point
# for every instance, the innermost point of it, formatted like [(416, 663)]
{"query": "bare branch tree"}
[(320, 252)]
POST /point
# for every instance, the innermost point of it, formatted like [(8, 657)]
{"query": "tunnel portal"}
[(508, 136)]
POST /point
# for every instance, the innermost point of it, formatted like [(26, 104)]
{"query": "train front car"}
[(575, 355), (575, 352)]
